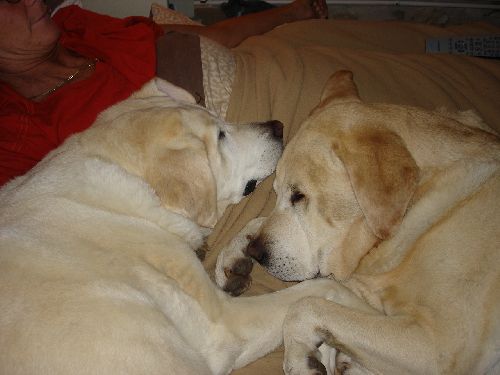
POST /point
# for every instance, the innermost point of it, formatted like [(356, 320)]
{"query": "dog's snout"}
[(257, 250), (276, 127)]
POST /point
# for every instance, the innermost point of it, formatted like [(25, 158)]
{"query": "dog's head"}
[(343, 184), (196, 163)]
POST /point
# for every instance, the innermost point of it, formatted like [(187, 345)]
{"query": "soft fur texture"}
[(98, 272), (400, 205)]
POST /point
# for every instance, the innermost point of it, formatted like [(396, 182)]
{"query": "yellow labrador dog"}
[(402, 207), (98, 272)]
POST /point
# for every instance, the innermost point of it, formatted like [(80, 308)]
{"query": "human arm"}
[(232, 31)]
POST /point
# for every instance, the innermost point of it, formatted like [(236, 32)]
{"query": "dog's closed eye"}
[(297, 196), (222, 135)]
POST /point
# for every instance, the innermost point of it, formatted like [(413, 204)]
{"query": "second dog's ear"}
[(382, 172), (160, 87), (339, 87)]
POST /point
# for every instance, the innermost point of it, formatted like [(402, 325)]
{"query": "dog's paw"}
[(344, 365), (232, 272), (299, 360), (305, 350), (238, 278), (315, 365)]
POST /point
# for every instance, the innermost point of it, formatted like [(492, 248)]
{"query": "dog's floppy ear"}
[(355, 245), (339, 87), (183, 180), (382, 172), (160, 87)]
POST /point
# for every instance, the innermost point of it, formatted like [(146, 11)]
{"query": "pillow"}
[(199, 65), (163, 15)]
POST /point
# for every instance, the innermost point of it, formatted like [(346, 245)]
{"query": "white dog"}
[(98, 272), (402, 207)]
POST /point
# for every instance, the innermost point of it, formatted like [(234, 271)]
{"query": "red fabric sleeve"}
[(127, 44)]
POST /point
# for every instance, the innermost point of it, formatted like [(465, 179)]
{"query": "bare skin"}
[(233, 31), (32, 61)]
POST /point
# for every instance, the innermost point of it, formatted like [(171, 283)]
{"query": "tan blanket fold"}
[(280, 76)]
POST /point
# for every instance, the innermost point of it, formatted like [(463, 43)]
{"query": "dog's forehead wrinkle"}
[(336, 122), (198, 116), (308, 173), (322, 177)]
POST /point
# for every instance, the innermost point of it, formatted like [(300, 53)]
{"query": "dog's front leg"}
[(258, 321), (232, 272), (383, 344)]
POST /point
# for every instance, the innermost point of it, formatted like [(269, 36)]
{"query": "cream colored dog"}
[(98, 272), (402, 207)]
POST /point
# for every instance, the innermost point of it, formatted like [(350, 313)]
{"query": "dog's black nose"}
[(257, 250), (277, 128)]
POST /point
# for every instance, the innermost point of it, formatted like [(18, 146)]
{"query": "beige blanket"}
[(280, 75)]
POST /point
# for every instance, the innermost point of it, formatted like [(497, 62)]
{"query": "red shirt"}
[(127, 59)]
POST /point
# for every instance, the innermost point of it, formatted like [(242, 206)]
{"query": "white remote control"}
[(481, 46)]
